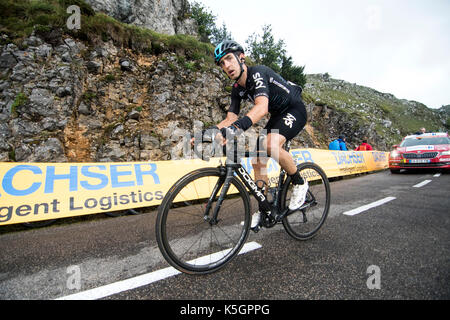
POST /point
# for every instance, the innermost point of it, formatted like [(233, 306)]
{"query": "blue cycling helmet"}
[(226, 47)]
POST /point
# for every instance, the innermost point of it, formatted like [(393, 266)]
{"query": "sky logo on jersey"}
[(258, 81), (289, 120)]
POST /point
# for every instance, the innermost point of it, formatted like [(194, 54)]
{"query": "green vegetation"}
[(19, 17), (20, 100), (109, 78), (385, 107), (368, 106), (48, 17), (89, 95), (207, 29), (263, 49)]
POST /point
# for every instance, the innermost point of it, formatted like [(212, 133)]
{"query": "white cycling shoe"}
[(298, 195), (256, 218)]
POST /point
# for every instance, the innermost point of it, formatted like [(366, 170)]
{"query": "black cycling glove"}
[(237, 127), (243, 123)]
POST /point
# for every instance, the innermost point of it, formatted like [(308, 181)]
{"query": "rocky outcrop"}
[(357, 111), (163, 16), (77, 102)]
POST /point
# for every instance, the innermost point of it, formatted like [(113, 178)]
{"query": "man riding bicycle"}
[(270, 93)]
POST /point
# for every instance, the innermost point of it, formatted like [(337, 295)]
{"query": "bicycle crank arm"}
[(288, 212)]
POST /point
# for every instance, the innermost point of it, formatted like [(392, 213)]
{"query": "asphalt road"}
[(398, 250)]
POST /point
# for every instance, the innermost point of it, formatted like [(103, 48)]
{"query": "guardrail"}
[(32, 192)]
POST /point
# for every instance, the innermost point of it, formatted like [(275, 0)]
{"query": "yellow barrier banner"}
[(40, 191)]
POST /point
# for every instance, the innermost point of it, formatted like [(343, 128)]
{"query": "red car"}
[(427, 150)]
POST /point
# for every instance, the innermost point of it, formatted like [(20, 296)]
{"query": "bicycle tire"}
[(304, 224), (181, 228)]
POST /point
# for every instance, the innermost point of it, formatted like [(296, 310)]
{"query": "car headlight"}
[(445, 153), (395, 154)]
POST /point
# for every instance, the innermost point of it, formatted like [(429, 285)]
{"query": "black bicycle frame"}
[(225, 180)]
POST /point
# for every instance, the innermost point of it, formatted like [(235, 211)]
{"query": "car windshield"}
[(418, 141)]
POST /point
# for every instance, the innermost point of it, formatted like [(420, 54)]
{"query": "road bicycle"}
[(204, 219)]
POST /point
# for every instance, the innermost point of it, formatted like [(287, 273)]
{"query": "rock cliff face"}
[(92, 101), (162, 16), (357, 111), (77, 103)]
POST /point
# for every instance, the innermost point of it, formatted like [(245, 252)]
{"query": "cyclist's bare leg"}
[(273, 143), (286, 161), (260, 167), (260, 163), (275, 150)]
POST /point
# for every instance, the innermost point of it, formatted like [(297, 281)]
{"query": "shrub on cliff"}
[(48, 19)]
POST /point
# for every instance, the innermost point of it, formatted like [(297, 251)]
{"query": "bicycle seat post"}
[(281, 179), (287, 145)]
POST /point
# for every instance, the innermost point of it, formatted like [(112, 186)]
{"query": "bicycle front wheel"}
[(187, 237), (304, 223)]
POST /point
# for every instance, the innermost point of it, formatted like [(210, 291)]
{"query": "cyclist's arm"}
[(259, 110), (228, 121), (233, 111)]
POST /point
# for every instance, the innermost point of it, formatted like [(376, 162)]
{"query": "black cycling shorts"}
[(289, 123)]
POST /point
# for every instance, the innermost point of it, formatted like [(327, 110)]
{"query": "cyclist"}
[(270, 93)]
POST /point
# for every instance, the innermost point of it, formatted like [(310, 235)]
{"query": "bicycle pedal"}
[(256, 229)]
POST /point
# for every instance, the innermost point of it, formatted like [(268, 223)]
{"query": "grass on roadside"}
[(20, 17)]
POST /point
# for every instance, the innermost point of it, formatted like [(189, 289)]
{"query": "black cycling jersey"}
[(263, 81)]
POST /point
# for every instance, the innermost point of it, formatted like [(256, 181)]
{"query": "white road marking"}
[(423, 183), (145, 279), (437, 175), (368, 206)]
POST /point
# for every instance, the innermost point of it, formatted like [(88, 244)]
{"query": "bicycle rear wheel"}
[(304, 223), (186, 238)]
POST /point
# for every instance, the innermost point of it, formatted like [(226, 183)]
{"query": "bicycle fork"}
[(226, 174)]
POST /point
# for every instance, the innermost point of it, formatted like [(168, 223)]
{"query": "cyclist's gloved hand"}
[(230, 132), (236, 128)]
